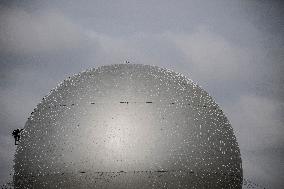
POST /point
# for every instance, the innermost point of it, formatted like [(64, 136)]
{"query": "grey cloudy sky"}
[(233, 49)]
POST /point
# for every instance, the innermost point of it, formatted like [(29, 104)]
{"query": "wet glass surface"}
[(128, 126)]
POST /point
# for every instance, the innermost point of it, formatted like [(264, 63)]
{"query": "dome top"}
[(126, 126)]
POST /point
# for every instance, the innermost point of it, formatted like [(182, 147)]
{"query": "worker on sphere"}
[(16, 133)]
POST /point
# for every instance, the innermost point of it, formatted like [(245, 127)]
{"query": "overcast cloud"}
[(233, 49)]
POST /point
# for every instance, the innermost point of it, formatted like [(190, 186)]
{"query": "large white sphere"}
[(128, 126)]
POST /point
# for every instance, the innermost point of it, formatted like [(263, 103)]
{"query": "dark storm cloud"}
[(234, 49)]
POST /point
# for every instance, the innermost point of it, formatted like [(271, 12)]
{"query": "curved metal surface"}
[(128, 126)]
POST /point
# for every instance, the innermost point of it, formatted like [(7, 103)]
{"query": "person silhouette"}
[(16, 133)]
